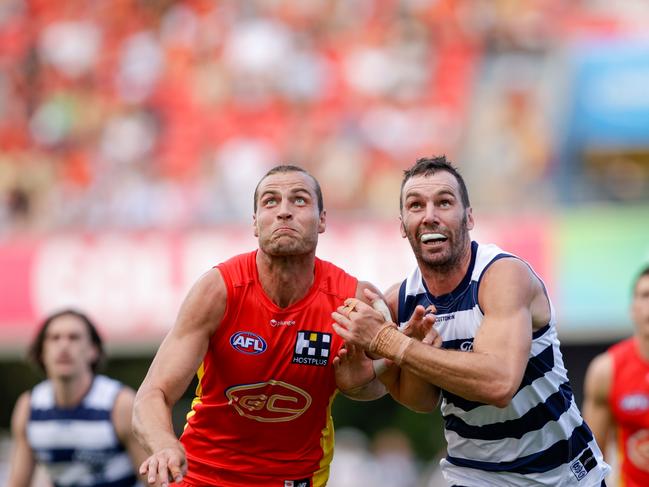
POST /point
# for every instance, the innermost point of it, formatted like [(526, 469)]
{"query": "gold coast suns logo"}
[(269, 402)]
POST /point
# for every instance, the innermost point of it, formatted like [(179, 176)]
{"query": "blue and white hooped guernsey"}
[(540, 438), (79, 446)]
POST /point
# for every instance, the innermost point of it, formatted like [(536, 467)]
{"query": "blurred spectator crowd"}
[(161, 113)]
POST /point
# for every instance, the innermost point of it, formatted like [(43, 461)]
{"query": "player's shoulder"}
[(210, 283), (509, 270), (600, 369), (24, 399), (334, 279), (21, 412), (392, 293)]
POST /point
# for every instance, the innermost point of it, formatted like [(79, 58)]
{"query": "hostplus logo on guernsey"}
[(312, 348)]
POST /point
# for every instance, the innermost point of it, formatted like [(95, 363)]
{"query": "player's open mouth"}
[(433, 238)]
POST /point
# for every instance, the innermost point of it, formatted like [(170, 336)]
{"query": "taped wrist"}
[(390, 343)]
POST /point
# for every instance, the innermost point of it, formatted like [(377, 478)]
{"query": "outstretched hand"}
[(420, 326), (165, 466)]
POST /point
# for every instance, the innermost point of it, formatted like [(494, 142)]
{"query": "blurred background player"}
[(76, 423), (616, 394), (257, 331)]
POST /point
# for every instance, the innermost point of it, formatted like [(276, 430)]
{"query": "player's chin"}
[(288, 247)]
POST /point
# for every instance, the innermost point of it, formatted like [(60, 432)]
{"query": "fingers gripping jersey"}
[(262, 414), (629, 402)]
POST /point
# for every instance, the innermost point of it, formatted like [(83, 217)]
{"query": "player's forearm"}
[(414, 392), (152, 421), (366, 392), (405, 387), (471, 375)]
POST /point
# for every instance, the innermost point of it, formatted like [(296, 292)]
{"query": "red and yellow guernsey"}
[(262, 413), (629, 400)]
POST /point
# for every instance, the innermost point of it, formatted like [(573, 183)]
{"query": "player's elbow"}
[(423, 408), (419, 403), (500, 393)]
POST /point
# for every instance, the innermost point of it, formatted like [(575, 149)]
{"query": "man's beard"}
[(440, 264)]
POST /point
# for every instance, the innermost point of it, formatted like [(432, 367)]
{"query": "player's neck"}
[(285, 279), (440, 281), (643, 346), (69, 392)]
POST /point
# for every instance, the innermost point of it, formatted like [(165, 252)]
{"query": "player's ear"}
[(402, 227), (254, 225), (470, 223), (322, 223)]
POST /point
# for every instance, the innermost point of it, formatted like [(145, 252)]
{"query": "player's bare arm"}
[(122, 421), (404, 386), (171, 372), (22, 457), (493, 372), (355, 374), (596, 409)]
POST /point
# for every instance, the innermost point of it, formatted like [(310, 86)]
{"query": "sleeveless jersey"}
[(540, 438), (262, 415), (629, 403), (79, 446)]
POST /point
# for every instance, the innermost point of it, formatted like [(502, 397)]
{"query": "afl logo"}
[(248, 343)]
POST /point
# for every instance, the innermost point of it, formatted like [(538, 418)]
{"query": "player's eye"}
[(270, 201)]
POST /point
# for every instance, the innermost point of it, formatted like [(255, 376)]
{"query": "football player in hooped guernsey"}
[(510, 418), (257, 331)]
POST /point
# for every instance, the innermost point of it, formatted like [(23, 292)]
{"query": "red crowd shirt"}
[(629, 401), (262, 412)]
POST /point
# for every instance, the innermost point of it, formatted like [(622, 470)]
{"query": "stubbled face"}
[(288, 221), (640, 306), (68, 351), (435, 221)]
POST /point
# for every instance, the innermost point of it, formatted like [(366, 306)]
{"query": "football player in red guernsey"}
[(256, 329), (616, 394)]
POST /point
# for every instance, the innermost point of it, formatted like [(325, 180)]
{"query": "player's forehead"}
[(287, 182), (440, 182), (66, 324)]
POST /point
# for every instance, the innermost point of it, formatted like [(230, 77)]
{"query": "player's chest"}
[(262, 341)]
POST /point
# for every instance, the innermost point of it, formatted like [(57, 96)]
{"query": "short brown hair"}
[(429, 166)]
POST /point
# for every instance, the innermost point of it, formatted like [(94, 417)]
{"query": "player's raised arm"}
[(493, 372), (171, 371)]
